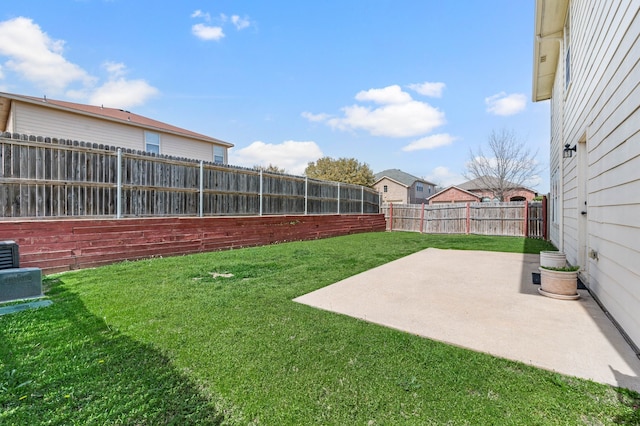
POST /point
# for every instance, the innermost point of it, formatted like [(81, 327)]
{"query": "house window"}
[(384, 188), (218, 154), (152, 142), (419, 187)]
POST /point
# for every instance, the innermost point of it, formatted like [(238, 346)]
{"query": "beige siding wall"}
[(600, 109), (555, 159), (33, 120), (9, 122), (396, 193), (186, 148)]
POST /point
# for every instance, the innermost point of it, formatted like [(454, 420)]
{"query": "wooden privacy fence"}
[(509, 218), (49, 177)]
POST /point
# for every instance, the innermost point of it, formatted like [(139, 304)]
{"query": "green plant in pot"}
[(559, 282)]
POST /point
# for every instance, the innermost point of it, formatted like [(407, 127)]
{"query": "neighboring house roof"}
[(399, 176), (110, 114), (449, 188), (480, 184), (549, 25)]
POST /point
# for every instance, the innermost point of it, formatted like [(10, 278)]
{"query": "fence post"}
[(422, 218), (157, 184), (119, 184), (390, 216), (468, 218), (260, 193), (526, 218), (201, 208)]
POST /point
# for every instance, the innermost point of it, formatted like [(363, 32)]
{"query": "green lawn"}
[(163, 341)]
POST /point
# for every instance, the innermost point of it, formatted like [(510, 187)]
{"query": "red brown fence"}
[(61, 245)]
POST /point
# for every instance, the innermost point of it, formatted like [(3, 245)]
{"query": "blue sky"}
[(412, 85)]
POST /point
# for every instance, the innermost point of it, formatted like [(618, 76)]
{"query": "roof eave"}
[(33, 101), (548, 30), (449, 188), (392, 180)]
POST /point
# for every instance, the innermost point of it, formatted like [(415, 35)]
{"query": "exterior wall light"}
[(566, 153)]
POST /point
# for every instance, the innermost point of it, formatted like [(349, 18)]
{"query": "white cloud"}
[(395, 120), (207, 32), (37, 58), (315, 117), (115, 69), (430, 142), (505, 105), (533, 181), (433, 90), (293, 156), (240, 23), (444, 177), (216, 32), (398, 115), (486, 162), (121, 93), (200, 14), (117, 91), (387, 95)]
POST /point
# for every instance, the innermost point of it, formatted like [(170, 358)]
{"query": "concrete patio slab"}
[(486, 301)]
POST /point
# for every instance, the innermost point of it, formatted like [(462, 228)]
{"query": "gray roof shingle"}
[(399, 176)]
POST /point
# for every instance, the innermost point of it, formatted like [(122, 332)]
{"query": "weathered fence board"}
[(512, 218), (445, 219), (44, 177), (60, 245)]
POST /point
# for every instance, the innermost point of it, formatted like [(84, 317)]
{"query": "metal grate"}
[(9, 256)]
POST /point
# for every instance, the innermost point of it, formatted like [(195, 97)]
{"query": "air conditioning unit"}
[(17, 283), (9, 255)]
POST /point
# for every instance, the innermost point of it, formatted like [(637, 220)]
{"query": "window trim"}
[(147, 143), (223, 156)]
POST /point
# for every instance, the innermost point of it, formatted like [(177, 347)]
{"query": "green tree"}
[(346, 170), (272, 168)]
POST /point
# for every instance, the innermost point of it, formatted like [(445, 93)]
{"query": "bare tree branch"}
[(509, 166)]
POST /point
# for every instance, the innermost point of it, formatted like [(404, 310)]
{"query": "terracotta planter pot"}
[(559, 284), (553, 259)]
